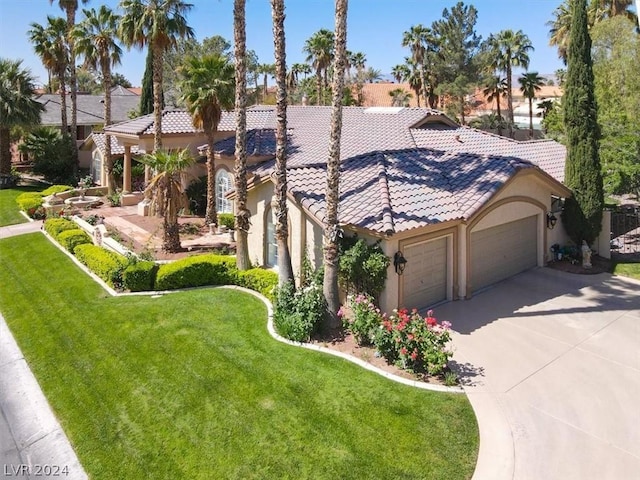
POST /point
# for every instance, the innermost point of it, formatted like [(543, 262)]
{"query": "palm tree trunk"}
[(71, 20), (499, 114), (243, 215), (285, 270), (63, 104), (157, 96), (509, 98), (423, 79), (530, 117), (331, 231), (106, 73), (5, 151), (211, 215), (171, 237), (319, 85)]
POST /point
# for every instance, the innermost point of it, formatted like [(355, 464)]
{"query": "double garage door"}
[(496, 253), (503, 251)]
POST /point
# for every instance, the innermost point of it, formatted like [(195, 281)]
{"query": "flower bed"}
[(405, 339)]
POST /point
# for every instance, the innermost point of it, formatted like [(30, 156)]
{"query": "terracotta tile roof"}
[(100, 141), (179, 122), (547, 154), (395, 191), (377, 94), (400, 173)]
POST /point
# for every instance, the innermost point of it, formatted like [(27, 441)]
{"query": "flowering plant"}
[(414, 342), (365, 319)]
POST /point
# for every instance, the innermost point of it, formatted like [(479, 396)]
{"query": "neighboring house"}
[(465, 208), (90, 113), (377, 94), (481, 106)]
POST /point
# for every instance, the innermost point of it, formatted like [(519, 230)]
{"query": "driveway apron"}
[(551, 364)]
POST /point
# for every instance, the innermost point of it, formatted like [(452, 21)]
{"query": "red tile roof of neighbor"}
[(377, 94), (401, 168)]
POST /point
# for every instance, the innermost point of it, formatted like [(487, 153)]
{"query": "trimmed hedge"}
[(105, 264), (29, 201), (227, 220), (56, 189), (55, 226), (70, 239), (197, 271), (260, 280), (140, 276)]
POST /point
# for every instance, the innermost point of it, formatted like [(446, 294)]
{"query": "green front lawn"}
[(191, 385), (9, 211), (628, 270)]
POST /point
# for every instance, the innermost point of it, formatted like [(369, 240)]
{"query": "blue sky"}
[(375, 27)]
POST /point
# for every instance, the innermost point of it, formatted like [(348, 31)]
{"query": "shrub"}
[(29, 201), (297, 313), (414, 343), (227, 220), (363, 267), (197, 271), (105, 264), (70, 239), (140, 276), (365, 320), (56, 189), (55, 226), (260, 280)]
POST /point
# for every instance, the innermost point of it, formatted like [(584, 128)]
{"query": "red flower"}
[(403, 351), (414, 354), (432, 322)]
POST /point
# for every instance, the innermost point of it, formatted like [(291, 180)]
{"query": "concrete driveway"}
[(551, 365)]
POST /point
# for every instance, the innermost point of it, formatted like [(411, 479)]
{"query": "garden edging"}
[(270, 327)]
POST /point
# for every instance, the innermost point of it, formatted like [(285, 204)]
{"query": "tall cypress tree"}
[(582, 216), (146, 96)]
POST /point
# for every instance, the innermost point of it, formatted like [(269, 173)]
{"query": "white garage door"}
[(425, 277), (500, 252)]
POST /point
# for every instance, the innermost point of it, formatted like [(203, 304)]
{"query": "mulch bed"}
[(598, 265)]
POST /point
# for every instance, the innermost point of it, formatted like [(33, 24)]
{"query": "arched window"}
[(224, 182), (271, 255)]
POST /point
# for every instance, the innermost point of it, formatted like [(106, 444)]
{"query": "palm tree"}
[(417, 38), (400, 97), (266, 69), (559, 30), (17, 107), (285, 270), (561, 75), (371, 75), (156, 24), (332, 192), (208, 88), (50, 45), (167, 192), (94, 38), (319, 50), (71, 7), (243, 215), (409, 72), (510, 49), (359, 62), (530, 83), (495, 89), (601, 9)]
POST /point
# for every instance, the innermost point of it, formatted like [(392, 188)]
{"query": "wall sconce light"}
[(399, 262), (551, 220)]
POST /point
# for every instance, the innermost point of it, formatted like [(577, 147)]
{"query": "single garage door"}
[(425, 277), (500, 252)]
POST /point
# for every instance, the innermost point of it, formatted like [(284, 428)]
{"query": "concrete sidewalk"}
[(20, 229), (32, 443)]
